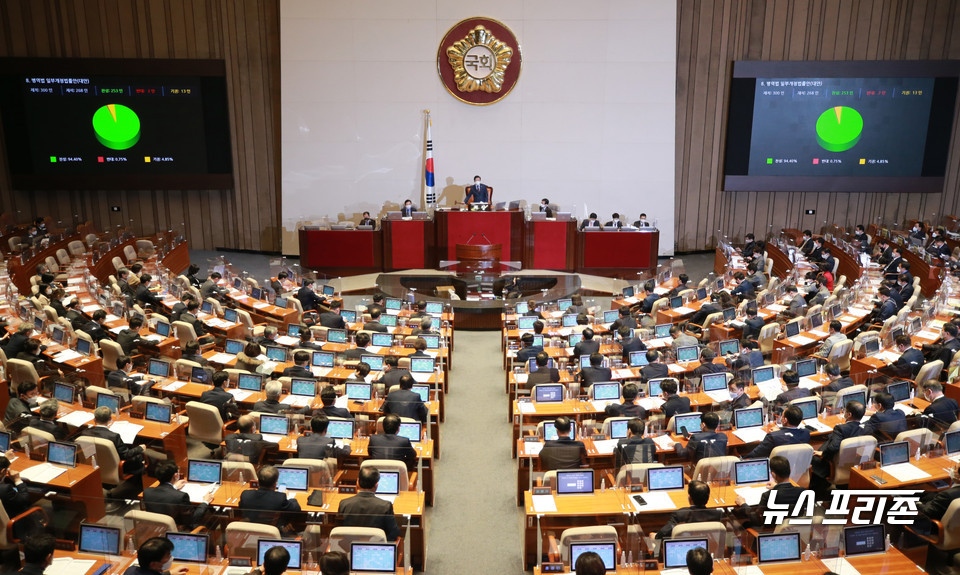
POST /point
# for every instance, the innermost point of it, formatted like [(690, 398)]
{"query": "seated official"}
[(933, 504), (27, 397), (673, 404), (699, 561), (563, 452), (125, 378), (96, 328), (211, 288), (709, 308), (275, 562), (374, 323), (590, 222), (745, 288), (707, 355), (407, 210), (820, 466), (543, 374), (16, 341), (316, 444), (545, 207), (306, 340), (144, 295), (13, 491), (782, 491), (650, 296), (419, 348), (246, 441), (392, 372), (249, 358), (38, 554), (362, 340), (277, 284), (377, 303), (887, 421), (837, 382), (404, 402), (31, 354), (527, 349), (683, 284), (425, 328), (587, 345), (629, 344), (308, 298), (167, 499), (268, 338), (478, 193), (792, 382), (129, 337), (300, 368), (629, 407), (366, 220), (328, 397), (365, 509), (271, 404), (614, 222), (595, 372), (132, 455), (750, 356), (46, 420), (220, 398), (887, 307), (643, 222), (264, 504), (947, 348), (789, 434), (698, 495), (942, 410), (191, 352), (794, 302), (334, 563), (654, 369), (835, 336), (589, 563), (181, 306), (361, 374), (753, 323), (707, 442), (332, 318), (635, 448), (738, 397), (389, 445), (533, 308), (625, 320)]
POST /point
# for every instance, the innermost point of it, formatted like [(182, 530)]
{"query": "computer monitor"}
[(894, 452), (293, 330), (871, 346), (816, 320), (729, 314), (859, 396), (584, 361), (676, 301), (550, 430), (434, 307), (358, 391), (729, 346), (83, 347), (762, 374), (688, 353), (389, 483), (525, 322), (915, 324), (805, 367), (574, 339), (293, 478), (292, 547), (250, 381), (230, 315), (207, 307), (421, 365), (653, 387), (675, 551), (610, 315), (62, 453), (322, 359), (836, 311), (64, 392), (433, 340), (280, 301), (393, 304), (4, 441), (190, 547), (665, 478), (662, 330), (629, 291), (336, 336), (864, 539), (900, 390), (203, 471), (163, 329), (412, 430), (808, 407), (574, 482), (109, 400), (777, 547), (688, 421), (275, 424), (373, 557), (388, 320), (200, 375), (522, 307), (278, 354), (328, 290), (423, 390), (548, 393), (638, 358), (159, 412), (56, 334), (792, 328), (751, 471), (564, 303), (714, 381), (256, 293), (340, 428), (607, 550), (237, 283), (568, 320), (605, 391), (303, 387), (381, 339), (348, 316), (748, 417), (118, 308), (38, 323), (896, 331), (158, 367), (538, 339), (99, 539), (951, 441), (374, 361)]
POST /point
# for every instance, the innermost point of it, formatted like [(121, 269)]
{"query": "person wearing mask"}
[(365, 509), (366, 220), (191, 352), (786, 492), (635, 447), (904, 288), (820, 467), (806, 242), (144, 295), (211, 288), (392, 372), (96, 328), (945, 350), (745, 288), (545, 207), (309, 299), (614, 222), (860, 236), (300, 368), (181, 306), (835, 336), (590, 222), (738, 397), (18, 340), (129, 337), (789, 434), (625, 320), (407, 210), (887, 421), (167, 499), (749, 357), (642, 222), (887, 307), (27, 394), (192, 272), (124, 378), (753, 323), (681, 338), (698, 495), (682, 285), (13, 491), (794, 302), (31, 354), (791, 380), (942, 410)]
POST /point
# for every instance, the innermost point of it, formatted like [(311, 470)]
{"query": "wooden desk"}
[(341, 252), (82, 483), (550, 245), (618, 254), (938, 468)]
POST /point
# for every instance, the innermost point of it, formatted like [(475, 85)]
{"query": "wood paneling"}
[(244, 33), (712, 34)]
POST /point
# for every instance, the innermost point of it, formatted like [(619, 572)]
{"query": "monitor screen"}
[(653, 387), (564, 303), (776, 547), (83, 347), (752, 471), (388, 320), (676, 301), (748, 417), (340, 428), (237, 283), (358, 391), (610, 315), (207, 307), (525, 322), (393, 304), (762, 374), (303, 387), (158, 368), (256, 293), (638, 358), (729, 346), (584, 361), (389, 483), (276, 424), (607, 550), (188, 547), (816, 320), (373, 557), (38, 323), (64, 392), (278, 354), (864, 539), (322, 359), (858, 396), (4, 440), (806, 367), (374, 361), (894, 453), (99, 539), (293, 330), (203, 471), (421, 365), (900, 390), (729, 314), (618, 428), (662, 330), (548, 393), (688, 421), (550, 431), (951, 441), (411, 430), (538, 340), (629, 291), (434, 307), (200, 375), (896, 331), (574, 339), (701, 293), (292, 547), (163, 329), (808, 407), (159, 412), (688, 353), (606, 391), (328, 290), (793, 328), (714, 381), (57, 335), (871, 346), (348, 316), (522, 307), (380, 339), (230, 315), (62, 453), (665, 478), (336, 335), (578, 481), (109, 400), (675, 551), (836, 311), (423, 390), (294, 478), (250, 381), (569, 320), (433, 341)]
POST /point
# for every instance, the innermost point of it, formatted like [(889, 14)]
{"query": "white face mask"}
[(167, 566), (476, 183)]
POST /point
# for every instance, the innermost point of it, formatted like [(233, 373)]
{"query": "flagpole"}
[(429, 191)]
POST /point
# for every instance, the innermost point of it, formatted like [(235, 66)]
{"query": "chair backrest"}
[(768, 334), (951, 527), (714, 531), (919, 437), (129, 252), (234, 470), (634, 474), (929, 371), (118, 263), (814, 310), (853, 451), (37, 437), (76, 247), (50, 313), (584, 534), (52, 264), (217, 308), (63, 257), (90, 392), (658, 305), (341, 538), (91, 239), (715, 468), (20, 370), (110, 350), (799, 456), (184, 366), (145, 525), (840, 354), (242, 537), (320, 471), (185, 332), (403, 483), (842, 396), (107, 458), (205, 422), (802, 399)]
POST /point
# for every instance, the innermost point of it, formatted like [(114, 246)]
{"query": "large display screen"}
[(839, 126), (107, 124)]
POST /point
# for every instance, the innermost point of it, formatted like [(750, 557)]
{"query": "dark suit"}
[(355, 353), (842, 383), (741, 402), (891, 268), (219, 398), (145, 296), (129, 340), (543, 375), (943, 410), (906, 292), (315, 446), (49, 426), (674, 405), (178, 309), (528, 352), (934, 504), (623, 321), (615, 224), (392, 376), (384, 446), (198, 327), (625, 410), (209, 288), (248, 444), (885, 424), (333, 411), (375, 326), (787, 494), (709, 367), (167, 500), (365, 509), (268, 406), (887, 309), (119, 379), (262, 506), (15, 344), (196, 359), (707, 444), (840, 432), (631, 344), (477, 193), (405, 403), (94, 330), (705, 310), (586, 347), (332, 319), (688, 515), (784, 436), (592, 374), (15, 408), (752, 328), (588, 223), (562, 453), (131, 455), (745, 289), (407, 211), (308, 299), (298, 371), (647, 304), (636, 449), (654, 371), (15, 499), (796, 393)]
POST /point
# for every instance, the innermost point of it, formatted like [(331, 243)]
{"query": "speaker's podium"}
[(480, 265)]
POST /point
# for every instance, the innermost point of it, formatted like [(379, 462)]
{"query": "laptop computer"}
[(808, 407), (250, 381), (610, 315), (751, 471), (292, 547), (191, 547), (412, 430), (792, 328), (525, 322), (163, 329), (662, 330), (676, 301), (374, 361), (340, 428), (729, 314), (584, 361), (714, 381), (159, 412), (805, 367), (778, 547), (234, 346), (522, 307), (762, 374), (687, 421), (548, 393), (629, 291), (337, 335), (816, 320), (900, 390), (389, 483), (729, 346), (675, 551), (871, 347), (423, 390), (200, 375), (203, 471), (303, 387), (4, 441), (278, 354), (322, 359), (568, 320), (207, 307), (688, 353), (550, 431), (748, 417), (433, 341), (638, 358), (348, 315), (275, 424), (62, 453), (388, 320), (605, 391), (64, 392), (951, 442), (57, 335), (607, 550), (359, 391), (293, 478), (293, 330), (381, 339), (864, 540), (894, 452), (109, 400), (328, 290), (434, 307), (574, 339), (230, 315), (99, 539), (421, 365), (373, 557), (665, 478), (83, 347), (653, 387), (575, 482), (618, 428)]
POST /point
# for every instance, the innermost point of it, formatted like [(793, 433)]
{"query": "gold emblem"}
[(479, 61)]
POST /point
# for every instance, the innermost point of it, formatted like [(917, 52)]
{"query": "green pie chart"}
[(116, 126), (839, 128)]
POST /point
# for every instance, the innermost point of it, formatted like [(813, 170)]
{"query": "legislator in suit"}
[(365, 509)]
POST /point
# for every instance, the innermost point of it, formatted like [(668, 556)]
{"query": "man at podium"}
[(478, 193)]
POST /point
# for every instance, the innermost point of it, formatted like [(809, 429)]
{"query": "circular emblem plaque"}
[(479, 61)]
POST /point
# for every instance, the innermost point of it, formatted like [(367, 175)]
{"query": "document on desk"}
[(321, 371), (601, 404), (820, 426), (623, 373), (752, 495), (776, 307), (746, 570), (388, 498), (633, 299), (76, 418), (676, 368), (239, 394), (89, 309), (526, 407), (905, 472), (373, 349), (719, 395), (683, 310), (197, 491), (888, 356), (68, 566), (906, 409), (660, 342), (664, 442), (174, 385), (128, 431), (66, 355), (43, 473), (544, 503), (650, 403), (222, 358), (655, 501), (750, 434), (296, 400), (532, 448), (520, 377), (807, 383), (261, 305), (152, 337), (605, 446), (840, 565), (421, 377), (927, 334), (272, 437), (800, 340), (770, 389), (118, 329), (858, 312), (660, 290)]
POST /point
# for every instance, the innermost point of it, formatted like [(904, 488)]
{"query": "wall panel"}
[(244, 33), (713, 34)]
